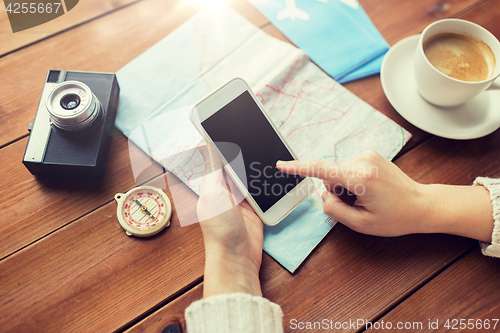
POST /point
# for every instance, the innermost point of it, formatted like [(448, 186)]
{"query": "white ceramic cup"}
[(441, 89)]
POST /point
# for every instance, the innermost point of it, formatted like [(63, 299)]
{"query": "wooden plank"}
[(370, 90), (107, 44), (486, 14), (170, 316), (396, 20), (376, 273), (33, 208), (385, 271), (351, 276), (80, 32), (469, 290), (393, 16), (354, 276), (348, 276), (101, 278), (127, 36), (85, 10), (90, 277), (398, 273), (58, 204), (439, 159), (96, 287)]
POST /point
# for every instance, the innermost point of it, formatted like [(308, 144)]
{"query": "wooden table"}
[(67, 266)]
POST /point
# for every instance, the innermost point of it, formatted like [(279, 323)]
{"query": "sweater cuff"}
[(236, 312), (493, 186)]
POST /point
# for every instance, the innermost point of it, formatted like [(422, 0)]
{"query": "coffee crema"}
[(460, 57)]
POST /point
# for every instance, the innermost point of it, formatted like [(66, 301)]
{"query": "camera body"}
[(71, 134)]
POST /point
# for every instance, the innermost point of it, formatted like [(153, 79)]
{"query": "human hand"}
[(232, 233), (386, 197), (389, 203)]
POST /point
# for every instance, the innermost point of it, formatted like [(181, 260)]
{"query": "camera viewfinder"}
[(53, 76)]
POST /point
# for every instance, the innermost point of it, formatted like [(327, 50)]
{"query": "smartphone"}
[(232, 114)]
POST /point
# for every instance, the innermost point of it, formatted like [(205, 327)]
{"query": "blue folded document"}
[(336, 34)]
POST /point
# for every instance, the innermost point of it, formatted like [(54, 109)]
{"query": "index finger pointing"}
[(329, 171)]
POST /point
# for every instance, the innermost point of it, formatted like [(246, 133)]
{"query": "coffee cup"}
[(455, 60)]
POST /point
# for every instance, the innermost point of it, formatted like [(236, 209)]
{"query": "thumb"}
[(211, 158), (212, 177), (339, 210)]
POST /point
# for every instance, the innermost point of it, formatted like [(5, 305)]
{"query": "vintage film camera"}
[(71, 134)]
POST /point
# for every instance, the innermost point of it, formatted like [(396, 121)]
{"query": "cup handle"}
[(495, 85)]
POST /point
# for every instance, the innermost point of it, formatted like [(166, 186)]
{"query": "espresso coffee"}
[(459, 56)]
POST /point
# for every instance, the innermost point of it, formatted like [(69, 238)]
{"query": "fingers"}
[(235, 192), (215, 183), (340, 211), (328, 171)]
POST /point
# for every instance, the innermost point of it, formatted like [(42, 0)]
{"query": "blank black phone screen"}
[(242, 122)]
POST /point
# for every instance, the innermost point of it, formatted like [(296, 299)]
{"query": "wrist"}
[(457, 210), (424, 210), (228, 272), (432, 211)]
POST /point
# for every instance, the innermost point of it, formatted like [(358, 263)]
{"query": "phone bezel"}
[(215, 101)]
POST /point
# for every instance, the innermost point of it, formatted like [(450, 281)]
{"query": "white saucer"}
[(476, 118)]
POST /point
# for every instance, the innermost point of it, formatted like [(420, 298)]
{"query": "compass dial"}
[(143, 211)]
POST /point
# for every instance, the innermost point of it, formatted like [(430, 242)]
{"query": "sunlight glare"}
[(212, 3)]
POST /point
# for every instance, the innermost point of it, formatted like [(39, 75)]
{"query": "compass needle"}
[(136, 207)]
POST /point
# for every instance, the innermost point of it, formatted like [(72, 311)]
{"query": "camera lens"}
[(70, 101), (72, 106)]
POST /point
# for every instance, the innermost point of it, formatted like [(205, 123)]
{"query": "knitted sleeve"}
[(493, 186), (237, 312)]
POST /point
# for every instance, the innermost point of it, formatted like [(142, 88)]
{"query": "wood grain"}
[(446, 161), (33, 208), (438, 160), (486, 14), (90, 277), (369, 89), (409, 18), (85, 10), (351, 276), (171, 315), (55, 202), (467, 290), (67, 265), (347, 276), (103, 45), (399, 19), (393, 16)]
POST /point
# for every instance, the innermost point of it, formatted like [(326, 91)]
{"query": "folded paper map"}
[(319, 118)]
